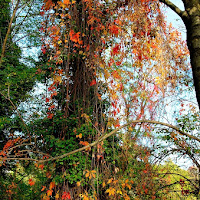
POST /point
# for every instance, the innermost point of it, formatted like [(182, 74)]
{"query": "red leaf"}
[(116, 49), (31, 182), (49, 115), (51, 107), (93, 82), (66, 195), (43, 50), (114, 29)]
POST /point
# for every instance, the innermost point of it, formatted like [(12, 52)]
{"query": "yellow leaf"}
[(130, 129), (59, 42), (110, 180), (57, 195), (57, 78), (157, 79), (111, 191), (119, 192), (79, 136)]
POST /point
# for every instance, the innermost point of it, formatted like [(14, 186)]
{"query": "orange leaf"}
[(52, 185), (78, 184), (43, 188), (93, 82), (31, 182), (114, 29), (84, 143), (79, 136), (66, 2), (49, 193), (41, 167)]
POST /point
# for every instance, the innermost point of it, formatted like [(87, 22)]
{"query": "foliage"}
[(107, 67)]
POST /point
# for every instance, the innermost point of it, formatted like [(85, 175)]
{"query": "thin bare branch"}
[(8, 33), (8, 98)]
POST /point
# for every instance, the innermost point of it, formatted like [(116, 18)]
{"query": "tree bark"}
[(192, 23)]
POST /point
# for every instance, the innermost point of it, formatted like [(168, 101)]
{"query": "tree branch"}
[(105, 136), (172, 173), (8, 33), (176, 9)]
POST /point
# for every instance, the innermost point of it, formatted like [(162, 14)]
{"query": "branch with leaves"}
[(105, 136)]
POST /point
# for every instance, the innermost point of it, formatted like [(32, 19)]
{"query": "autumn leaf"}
[(66, 195), (49, 115), (99, 96), (49, 193), (43, 188), (31, 182), (119, 192), (41, 167), (52, 185), (111, 191), (116, 49), (87, 174), (84, 197), (78, 184), (110, 180), (114, 29), (79, 136), (93, 82), (57, 196), (57, 79), (84, 143), (90, 174), (48, 4)]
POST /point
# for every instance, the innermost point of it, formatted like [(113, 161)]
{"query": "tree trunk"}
[(192, 23)]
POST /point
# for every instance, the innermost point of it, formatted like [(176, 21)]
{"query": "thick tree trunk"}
[(192, 23)]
